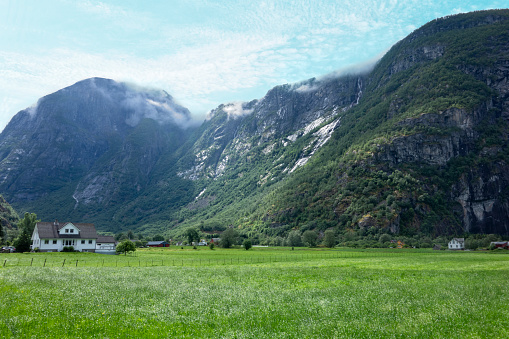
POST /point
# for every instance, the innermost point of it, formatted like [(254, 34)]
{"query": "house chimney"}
[(56, 222)]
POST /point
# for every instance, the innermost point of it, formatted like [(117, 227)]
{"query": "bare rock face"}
[(434, 149), (283, 115), (482, 194)]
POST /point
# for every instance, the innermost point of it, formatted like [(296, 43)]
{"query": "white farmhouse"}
[(457, 244), (54, 236)]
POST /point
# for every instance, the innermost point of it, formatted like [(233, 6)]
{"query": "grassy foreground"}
[(303, 294)]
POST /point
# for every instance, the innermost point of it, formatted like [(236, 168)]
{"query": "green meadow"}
[(261, 293)]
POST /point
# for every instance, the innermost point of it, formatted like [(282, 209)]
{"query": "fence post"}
[(31, 262), (44, 265), (76, 263), (63, 263), (5, 262)]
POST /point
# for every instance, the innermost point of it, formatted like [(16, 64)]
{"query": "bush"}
[(247, 244), (211, 245), (68, 249)]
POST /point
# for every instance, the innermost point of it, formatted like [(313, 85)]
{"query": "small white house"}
[(457, 244), (105, 245), (54, 236)]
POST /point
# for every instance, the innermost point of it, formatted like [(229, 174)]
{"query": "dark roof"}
[(49, 230), (156, 243), (105, 239)]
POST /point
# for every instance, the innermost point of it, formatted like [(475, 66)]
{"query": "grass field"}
[(262, 293)]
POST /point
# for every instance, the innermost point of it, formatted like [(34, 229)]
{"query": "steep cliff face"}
[(281, 117), (483, 193)]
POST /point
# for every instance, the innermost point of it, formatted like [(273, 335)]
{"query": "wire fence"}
[(176, 261)]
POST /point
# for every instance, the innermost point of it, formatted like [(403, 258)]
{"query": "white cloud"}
[(236, 109)]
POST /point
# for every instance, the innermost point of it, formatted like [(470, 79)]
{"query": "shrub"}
[(247, 244), (68, 249), (211, 245)]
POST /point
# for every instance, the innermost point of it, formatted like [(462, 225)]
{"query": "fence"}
[(188, 261)]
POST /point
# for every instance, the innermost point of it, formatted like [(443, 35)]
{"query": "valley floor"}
[(261, 293)]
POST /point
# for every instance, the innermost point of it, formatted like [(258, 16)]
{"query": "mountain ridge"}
[(418, 144)]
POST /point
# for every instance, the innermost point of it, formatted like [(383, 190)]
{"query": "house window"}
[(66, 230), (72, 231), (46, 242), (54, 242), (82, 241), (90, 241)]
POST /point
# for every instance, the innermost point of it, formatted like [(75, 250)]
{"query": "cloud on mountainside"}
[(236, 109)]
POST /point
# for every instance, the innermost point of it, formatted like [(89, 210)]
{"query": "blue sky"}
[(202, 52)]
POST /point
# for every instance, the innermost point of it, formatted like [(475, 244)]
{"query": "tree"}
[(229, 238), (310, 238), (158, 237), (120, 236), (126, 246), (192, 234), (329, 239), (130, 235), (247, 244), (26, 227), (294, 239), (384, 238)]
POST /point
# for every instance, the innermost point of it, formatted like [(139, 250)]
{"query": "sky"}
[(202, 52)]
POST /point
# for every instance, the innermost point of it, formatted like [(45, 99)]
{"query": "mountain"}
[(88, 149), (416, 145), (426, 149)]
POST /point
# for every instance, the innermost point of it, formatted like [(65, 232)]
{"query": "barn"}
[(158, 244)]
